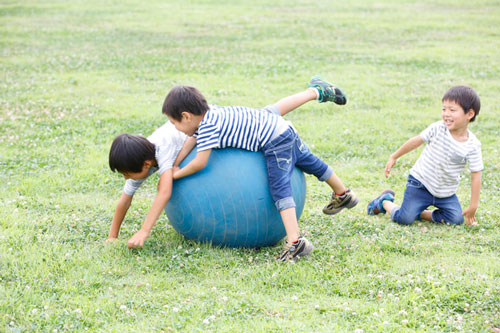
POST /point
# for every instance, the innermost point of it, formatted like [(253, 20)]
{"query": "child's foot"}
[(339, 202), (327, 91), (376, 205), (293, 251)]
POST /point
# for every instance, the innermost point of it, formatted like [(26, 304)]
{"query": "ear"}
[(186, 116), (148, 164), (470, 114)]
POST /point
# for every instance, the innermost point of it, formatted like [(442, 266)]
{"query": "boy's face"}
[(138, 175), (454, 116), (188, 123)]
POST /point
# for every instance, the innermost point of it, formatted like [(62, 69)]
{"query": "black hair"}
[(184, 99), (129, 152), (466, 97)]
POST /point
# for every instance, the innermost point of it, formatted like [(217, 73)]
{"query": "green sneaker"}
[(327, 91)]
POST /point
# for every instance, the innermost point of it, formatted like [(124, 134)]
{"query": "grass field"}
[(74, 74)]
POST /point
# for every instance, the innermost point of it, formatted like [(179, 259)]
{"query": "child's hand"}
[(389, 165), (470, 215), (137, 240)]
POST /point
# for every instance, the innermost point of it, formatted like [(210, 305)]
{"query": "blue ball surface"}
[(228, 203)]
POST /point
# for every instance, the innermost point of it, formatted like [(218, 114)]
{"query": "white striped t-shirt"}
[(238, 127), (439, 166)]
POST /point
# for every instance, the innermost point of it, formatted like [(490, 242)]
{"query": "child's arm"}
[(121, 210), (198, 163), (185, 150), (407, 147), (470, 212), (161, 199)]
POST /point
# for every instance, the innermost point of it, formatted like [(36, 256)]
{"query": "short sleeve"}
[(475, 158), (131, 185), (208, 137), (430, 132), (165, 156), (168, 142)]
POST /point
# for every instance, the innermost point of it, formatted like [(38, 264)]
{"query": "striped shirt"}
[(238, 127), (443, 159)]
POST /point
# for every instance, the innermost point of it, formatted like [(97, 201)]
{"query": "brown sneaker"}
[(292, 252), (337, 203)]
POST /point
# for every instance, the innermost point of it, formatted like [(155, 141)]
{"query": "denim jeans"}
[(417, 198), (282, 154)]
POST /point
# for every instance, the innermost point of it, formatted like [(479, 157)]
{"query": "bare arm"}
[(121, 210), (407, 147), (470, 212), (161, 199), (198, 163), (185, 150)]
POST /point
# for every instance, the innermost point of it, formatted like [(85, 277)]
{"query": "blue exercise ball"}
[(228, 203)]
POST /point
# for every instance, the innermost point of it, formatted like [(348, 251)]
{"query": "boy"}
[(261, 130), (434, 178), (136, 158)]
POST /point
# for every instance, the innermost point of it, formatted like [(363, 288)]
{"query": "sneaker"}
[(327, 91), (339, 202), (292, 252), (376, 207)]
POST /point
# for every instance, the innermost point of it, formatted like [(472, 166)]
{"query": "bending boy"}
[(434, 179), (137, 158), (261, 130)]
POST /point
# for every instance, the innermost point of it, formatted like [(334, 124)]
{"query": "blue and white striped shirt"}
[(237, 127)]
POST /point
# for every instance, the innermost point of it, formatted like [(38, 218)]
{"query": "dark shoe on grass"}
[(292, 252)]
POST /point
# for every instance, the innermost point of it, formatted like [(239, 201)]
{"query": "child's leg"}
[(319, 90), (336, 184), (426, 215), (416, 199), (342, 197), (280, 161), (389, 206), (289, 218), (292, 102), (448, 211)]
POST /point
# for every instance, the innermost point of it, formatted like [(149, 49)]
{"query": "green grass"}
[(75, 74)]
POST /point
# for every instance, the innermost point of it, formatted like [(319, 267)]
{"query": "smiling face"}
[(454, 116)]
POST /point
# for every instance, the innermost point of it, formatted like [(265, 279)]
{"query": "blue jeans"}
[(282, 154), (417, 198)]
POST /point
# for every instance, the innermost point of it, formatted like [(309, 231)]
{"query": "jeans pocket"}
[(414, 183), (284, 158)]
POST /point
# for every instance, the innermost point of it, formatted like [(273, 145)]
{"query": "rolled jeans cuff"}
[(285, 203), (326, 175), (393, 212)]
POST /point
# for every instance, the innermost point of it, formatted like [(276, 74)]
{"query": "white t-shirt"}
[(439, 166), (168, 142)]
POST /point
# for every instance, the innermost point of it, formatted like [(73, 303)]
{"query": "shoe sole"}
[(349, 206)]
